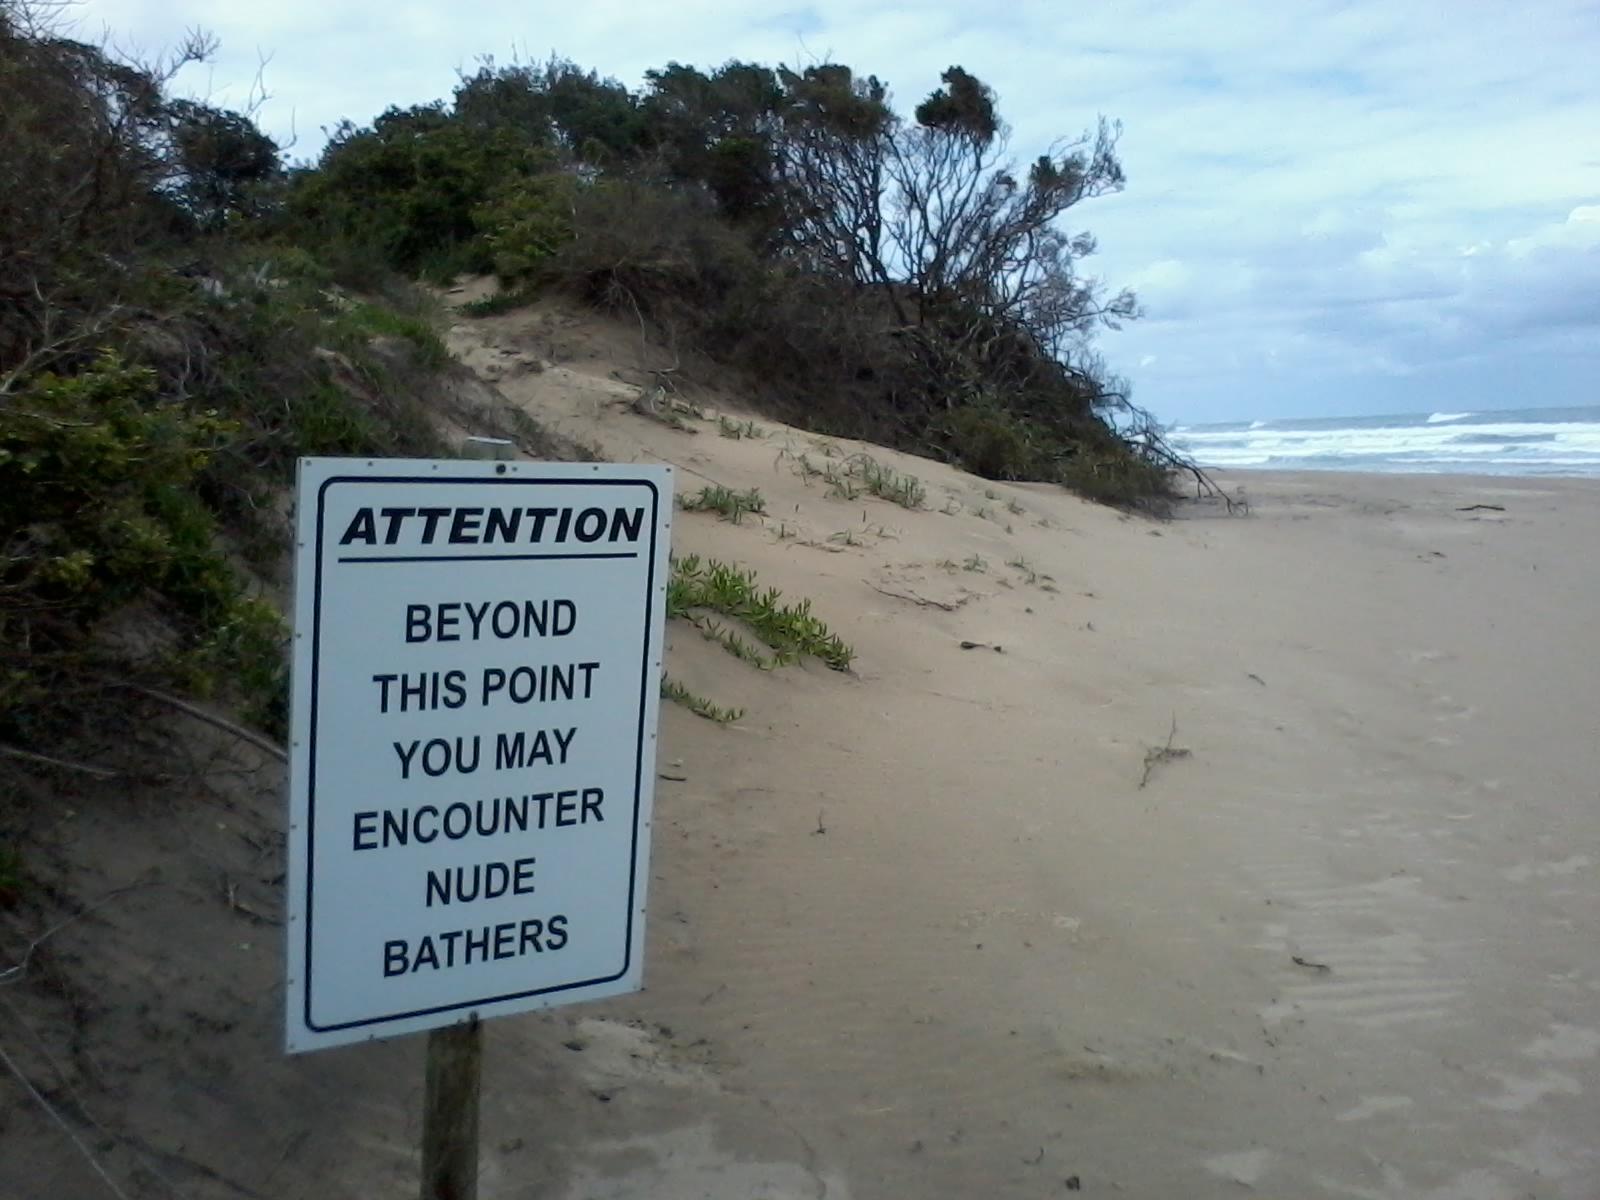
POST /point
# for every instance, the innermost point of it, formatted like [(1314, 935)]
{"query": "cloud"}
[(1324, 197)]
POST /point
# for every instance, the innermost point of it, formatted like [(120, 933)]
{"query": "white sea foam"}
[(1508, 446), (1441, 418)]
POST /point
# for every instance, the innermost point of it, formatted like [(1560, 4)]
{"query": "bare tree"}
[(833, 146), (935, 212)]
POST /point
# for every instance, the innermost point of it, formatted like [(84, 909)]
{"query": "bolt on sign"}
[(477, 668)]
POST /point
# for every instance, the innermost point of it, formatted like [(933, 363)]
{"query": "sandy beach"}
[(1227, 854), (920, 931)]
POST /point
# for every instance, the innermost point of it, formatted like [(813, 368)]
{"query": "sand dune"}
[(1343, 947)]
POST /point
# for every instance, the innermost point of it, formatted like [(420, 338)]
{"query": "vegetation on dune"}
[(166, 354), (730, 504), (182, 316), (896, 278), (700, 706), (789, 631), (702, 590)]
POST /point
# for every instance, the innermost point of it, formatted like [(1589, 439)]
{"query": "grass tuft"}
[(671, 689), (731, 505), (885, 483), (849, 477), (729, 428)]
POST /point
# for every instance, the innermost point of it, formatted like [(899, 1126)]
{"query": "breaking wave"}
[(1564, 441)]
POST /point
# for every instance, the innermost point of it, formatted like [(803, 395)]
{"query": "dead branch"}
[(264, 744), (921, 601), (83, 768), (1163, 754)]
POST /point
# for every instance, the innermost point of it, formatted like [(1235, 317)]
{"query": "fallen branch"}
[(83, 768), (922, 601), (264, 744)]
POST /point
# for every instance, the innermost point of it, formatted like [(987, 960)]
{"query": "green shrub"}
[(403, 191), (988, 440), (524, 225), (1116, 476), (790, 631), (374, 320), (99, 498), (307, 370)]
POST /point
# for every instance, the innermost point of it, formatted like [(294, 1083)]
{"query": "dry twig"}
[(922, 601), (1162, 754)]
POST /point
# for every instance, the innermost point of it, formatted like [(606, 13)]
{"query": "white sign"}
[(477, 673)]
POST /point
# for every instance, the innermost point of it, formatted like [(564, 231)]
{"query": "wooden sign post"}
[(450, 1112)]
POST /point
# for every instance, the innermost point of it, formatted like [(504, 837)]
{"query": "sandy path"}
[(1005, 969)]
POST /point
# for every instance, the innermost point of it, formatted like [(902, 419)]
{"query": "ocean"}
[(1515, 441)]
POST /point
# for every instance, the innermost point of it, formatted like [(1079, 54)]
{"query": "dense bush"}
[(874, 275), (100, 508), (526, 223), (991, 441), (161, 368)]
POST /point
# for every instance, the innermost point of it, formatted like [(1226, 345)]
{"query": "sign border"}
[(303, 772)]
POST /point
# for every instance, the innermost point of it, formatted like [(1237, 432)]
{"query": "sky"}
[(1332, 208)]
